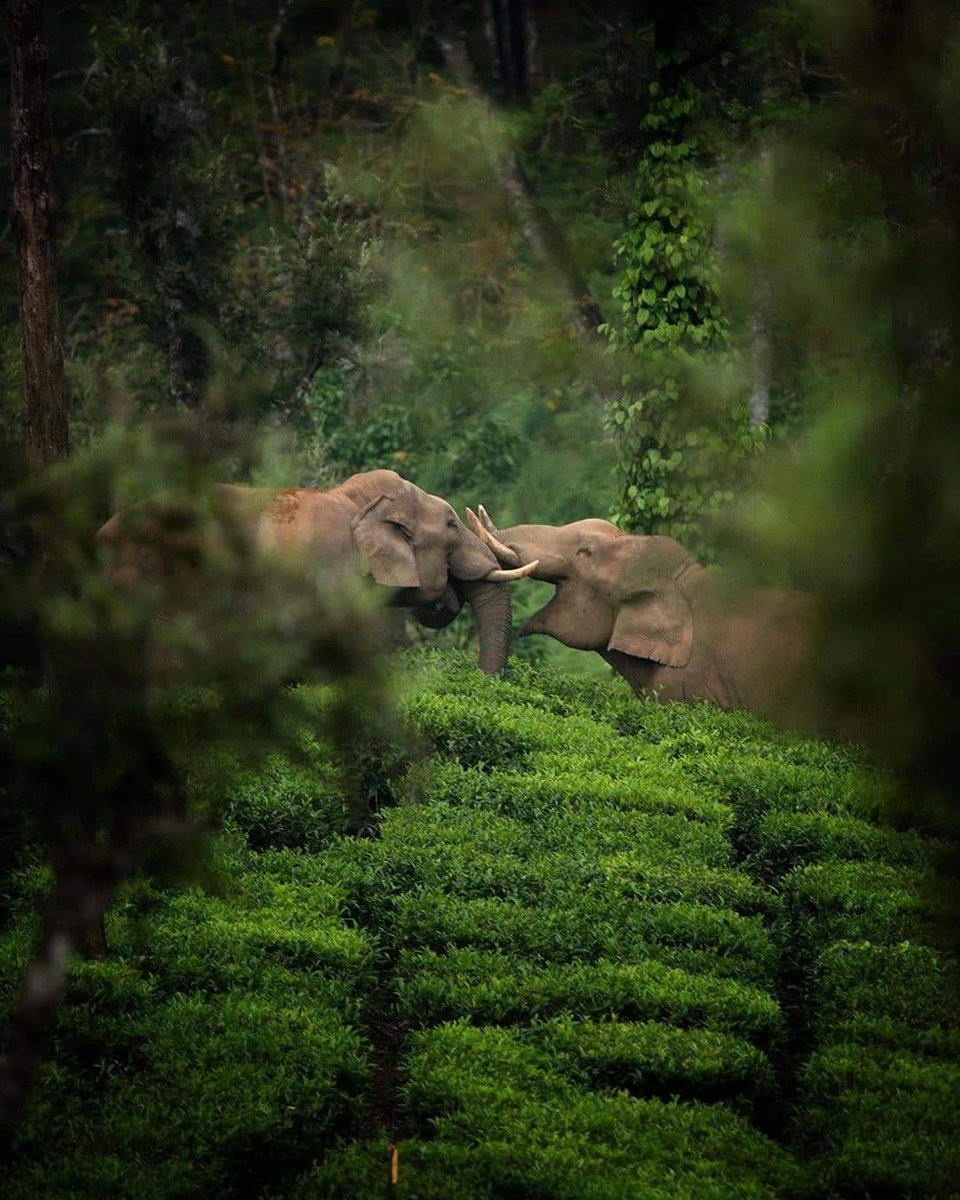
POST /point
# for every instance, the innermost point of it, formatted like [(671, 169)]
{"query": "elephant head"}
[(376, 523), (415, 544), (614, 591)]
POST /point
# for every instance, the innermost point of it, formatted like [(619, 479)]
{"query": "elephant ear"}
[(655, 623), (383, 550)]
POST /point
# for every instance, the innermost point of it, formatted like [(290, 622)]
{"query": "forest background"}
[(565, 260)]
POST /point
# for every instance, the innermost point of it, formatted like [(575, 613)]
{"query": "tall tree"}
[(33, 218)]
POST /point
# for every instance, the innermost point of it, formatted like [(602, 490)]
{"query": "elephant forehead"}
[(435, 516), (438, 504), (593, 526)]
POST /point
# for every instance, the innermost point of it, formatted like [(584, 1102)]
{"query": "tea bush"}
[(886, 1121), (599, 947), (652, 1059), (591, 924), (286, 804), (782, 840), (901, 996), (859, 901), (502, 989)]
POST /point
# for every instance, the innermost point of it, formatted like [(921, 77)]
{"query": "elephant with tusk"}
[(665, 623), (374, 524)]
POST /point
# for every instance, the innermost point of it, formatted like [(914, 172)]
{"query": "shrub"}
[(590, 924), (650, 1059), (496, 735), (757, 782), (272, 935), (640, 784), (905, 996), (533, 1133), (487, 987), (886, 1121), (855, 901), (235, 1094), (286, 803), (650, 836), (783, 840)]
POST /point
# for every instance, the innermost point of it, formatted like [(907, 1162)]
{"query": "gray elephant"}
[(375, 524), (667, 624)]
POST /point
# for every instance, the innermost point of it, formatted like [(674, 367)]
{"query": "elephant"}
[(374, 524), (667, 624)]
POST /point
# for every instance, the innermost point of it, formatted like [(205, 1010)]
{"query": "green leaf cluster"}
[(678, 462)]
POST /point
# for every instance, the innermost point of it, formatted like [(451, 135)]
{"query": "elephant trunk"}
[(492, 608)]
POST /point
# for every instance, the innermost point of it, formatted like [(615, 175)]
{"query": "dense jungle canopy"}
[(331, 913)]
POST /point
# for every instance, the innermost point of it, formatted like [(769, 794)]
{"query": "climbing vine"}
[(680, 450)]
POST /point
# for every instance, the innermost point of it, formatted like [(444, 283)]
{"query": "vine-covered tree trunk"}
[(33, 219)]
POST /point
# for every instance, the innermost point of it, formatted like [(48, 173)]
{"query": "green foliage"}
[(178, 199), (594, 992), (284, 803), (209, 1052), (886, 1120), (594, 923), (783, 840), (467, 1083), (499, 989), (678, 463), (861, 900), (256, 1081), (655, 1059), (903, 996)]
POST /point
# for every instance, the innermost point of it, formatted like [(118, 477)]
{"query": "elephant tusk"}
[(498, 576), (503, 553)]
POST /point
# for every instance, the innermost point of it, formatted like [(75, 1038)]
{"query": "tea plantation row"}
[(600, 949)]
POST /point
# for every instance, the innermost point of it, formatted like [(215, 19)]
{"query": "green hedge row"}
[(214, 1050), (590, 925), (904, 996), (492, 735), (207, 1095), (784, 840), (859, 901), (651, 1059), (286, 803), (490, 988), (885, 1121), (757, 783), (382, 874), (267, 929), (473, 854), (503, 1122), (553, 784)]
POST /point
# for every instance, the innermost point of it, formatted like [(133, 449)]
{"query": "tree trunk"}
[(542, 234), (760, 367), (508, 30), (33, 219), (276, 53), (760, 335), (182, 391)]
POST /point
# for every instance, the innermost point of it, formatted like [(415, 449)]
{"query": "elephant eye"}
[(451, 523), (587, 550), (403, 529)]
